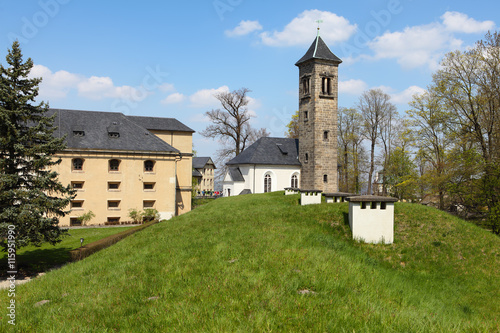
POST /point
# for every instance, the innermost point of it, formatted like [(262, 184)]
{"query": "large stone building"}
[(117, 162), (271, 164)]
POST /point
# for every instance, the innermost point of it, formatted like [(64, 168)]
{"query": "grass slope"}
[(264, 263)]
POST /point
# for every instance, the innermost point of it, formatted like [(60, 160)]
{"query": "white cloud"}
[(174, 98), (205, 97), (54, 85), (459, 22), (59, 84), (406, 95), (353, 87), (166, 87), (415, 46), (244, 28), (100, 87), (300, 31), (425, 45)]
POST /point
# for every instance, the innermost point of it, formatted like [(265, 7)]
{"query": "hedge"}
[(87, 250)]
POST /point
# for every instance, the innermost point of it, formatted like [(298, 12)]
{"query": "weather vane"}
[(319, 21)]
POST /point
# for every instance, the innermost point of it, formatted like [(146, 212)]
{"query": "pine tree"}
[(31, 197)]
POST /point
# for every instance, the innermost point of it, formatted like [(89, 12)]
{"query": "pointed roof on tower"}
[(318, 50)]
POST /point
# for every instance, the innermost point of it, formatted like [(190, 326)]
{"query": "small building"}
[(203, 173), (268, 165), (371, 218), (117, 162)]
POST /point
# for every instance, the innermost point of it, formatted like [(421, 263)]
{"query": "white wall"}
[(254, 178)]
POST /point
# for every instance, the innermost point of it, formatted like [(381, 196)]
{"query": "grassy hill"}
[(263, 263)]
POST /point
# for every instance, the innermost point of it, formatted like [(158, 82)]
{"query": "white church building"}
[(268, 165), (310, 162)]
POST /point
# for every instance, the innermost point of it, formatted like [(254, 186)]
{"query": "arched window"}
[(77, 164), (307, 158), (149, 165), (295, 181), (325, 178), (267, 183), (114, 165)]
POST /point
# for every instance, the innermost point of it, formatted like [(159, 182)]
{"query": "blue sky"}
[(167, 58)]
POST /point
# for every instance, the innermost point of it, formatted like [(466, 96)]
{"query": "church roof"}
[(318, 50), (270, 151), (235, 174), (105, 131)]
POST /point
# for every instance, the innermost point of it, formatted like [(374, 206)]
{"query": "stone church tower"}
[(318, 93)]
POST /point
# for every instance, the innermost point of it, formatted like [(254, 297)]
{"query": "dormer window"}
[(113, 135), (78, 133)]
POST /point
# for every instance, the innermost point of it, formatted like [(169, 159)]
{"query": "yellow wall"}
[(131, 193)]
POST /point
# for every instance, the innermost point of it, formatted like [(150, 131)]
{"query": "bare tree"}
[(231, 127), (349, 146), (375, 107)]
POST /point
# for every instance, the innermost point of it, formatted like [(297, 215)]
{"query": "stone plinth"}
[(337, 196), (291, 190), (371, 218), (310, 197)]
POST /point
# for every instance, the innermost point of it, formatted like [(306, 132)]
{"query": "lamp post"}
[(81, 242)]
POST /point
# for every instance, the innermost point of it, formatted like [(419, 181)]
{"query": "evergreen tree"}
[(31, 197)]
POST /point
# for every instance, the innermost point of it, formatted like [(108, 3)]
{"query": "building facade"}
[(204, 174), (117, 163)]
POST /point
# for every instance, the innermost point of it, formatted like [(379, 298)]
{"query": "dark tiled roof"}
[(105, 131), (272, 151), (319, 50), (200, 162), (196, 173), (160, 124), (235, 174), (245, 191)]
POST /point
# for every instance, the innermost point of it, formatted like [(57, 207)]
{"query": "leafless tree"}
[(375, 107)]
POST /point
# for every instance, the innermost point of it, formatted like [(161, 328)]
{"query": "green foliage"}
[(264, 263), (150, 214), (87, 217), (135, 215), (31, 197), (292, 131), (494, 219), (400, 175)]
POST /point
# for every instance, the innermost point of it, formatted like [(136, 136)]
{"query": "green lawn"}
[(262, 263), (32, 259)]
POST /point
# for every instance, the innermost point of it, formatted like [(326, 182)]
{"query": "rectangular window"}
[(114, 186), (383, 205), (74, 221), (113, 220), (363, 205), (149, 186), (373, 205), (77, 185), (76, 204), (148, 204), (114, 204)]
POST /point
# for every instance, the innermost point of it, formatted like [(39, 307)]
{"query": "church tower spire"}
[(318, 94)]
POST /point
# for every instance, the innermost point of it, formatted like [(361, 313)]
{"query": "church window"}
[(306, 116), (267, 183), (325, 135), (326, 86), (307, 158), (295, 181), (305, 86), (325, 178)]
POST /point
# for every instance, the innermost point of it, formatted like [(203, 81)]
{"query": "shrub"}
[(85, 218), (150, 214)]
